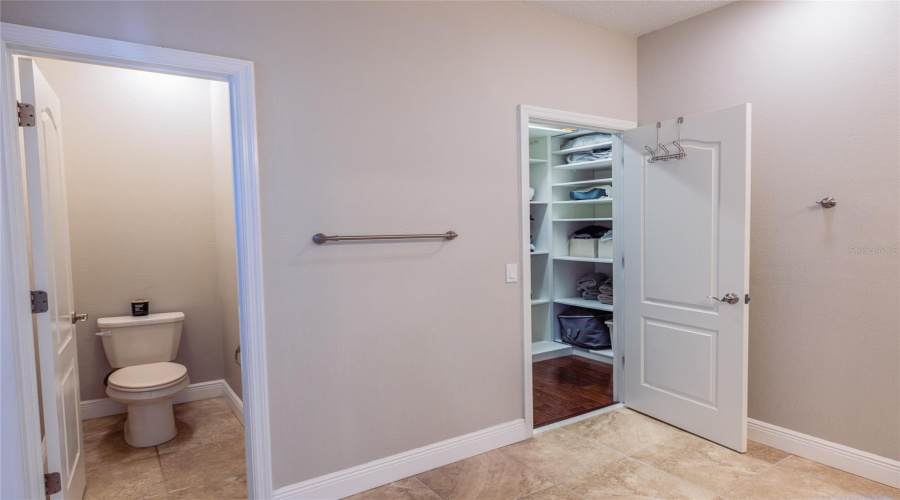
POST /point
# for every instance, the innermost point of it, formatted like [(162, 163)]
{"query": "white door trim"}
[(24, 40), (547, 115)]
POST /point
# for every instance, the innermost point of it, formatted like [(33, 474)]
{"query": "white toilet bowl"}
[(148, 391)]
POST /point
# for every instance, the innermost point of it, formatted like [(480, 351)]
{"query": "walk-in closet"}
[(572, 251)]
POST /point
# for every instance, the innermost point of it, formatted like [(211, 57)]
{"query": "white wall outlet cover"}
[(512, 273)]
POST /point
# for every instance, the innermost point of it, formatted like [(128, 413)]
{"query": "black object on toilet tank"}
[(140, 307)]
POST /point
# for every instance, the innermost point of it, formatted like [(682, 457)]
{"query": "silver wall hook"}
[(827, 202)]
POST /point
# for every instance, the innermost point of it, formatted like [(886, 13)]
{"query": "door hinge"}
[(26, 114), (52, 483), (623, 361), (746, 298), (38, 302)]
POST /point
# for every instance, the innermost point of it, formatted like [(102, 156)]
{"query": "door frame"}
[(16, 40), (527, 114)]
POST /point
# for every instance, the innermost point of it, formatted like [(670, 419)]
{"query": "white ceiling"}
[(635, 17)]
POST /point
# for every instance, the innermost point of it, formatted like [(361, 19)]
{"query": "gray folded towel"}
[(590, 281)]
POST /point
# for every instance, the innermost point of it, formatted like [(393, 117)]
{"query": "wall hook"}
[(827, 202)]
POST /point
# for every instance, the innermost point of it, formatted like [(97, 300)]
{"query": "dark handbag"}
[(585, 328)]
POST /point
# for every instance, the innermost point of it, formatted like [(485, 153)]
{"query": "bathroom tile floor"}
[(624, 454), (204, 461)]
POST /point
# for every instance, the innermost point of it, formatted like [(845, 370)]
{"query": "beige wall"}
[(823, 80), (385, 117), (226, 250), (139, 166)]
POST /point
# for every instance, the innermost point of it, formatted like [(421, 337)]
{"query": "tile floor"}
[(204, 461), (623, 454)]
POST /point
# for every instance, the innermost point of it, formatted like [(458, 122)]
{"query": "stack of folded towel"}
[(589, 285), (606, 292)]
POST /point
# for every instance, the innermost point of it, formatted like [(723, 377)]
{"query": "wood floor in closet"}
[(569, 386)]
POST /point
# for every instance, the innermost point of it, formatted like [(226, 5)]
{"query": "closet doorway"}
[(672, 199), (570, 191)]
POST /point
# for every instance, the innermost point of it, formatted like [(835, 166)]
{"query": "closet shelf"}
[(542, 252), (583, 202), (537, 202), (599, 145), (585, 165), (546, 347), (583, 259), (584, 220), (583, 183), (602, 352), (534, 161), (537, 302), (589, 304)]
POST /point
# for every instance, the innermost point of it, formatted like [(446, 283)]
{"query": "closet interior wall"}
[(554, 217)]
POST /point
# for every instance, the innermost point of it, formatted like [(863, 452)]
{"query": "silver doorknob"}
[(76, 317), (729, 297)]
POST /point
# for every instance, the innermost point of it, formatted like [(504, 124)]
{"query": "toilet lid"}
[(150, 376)]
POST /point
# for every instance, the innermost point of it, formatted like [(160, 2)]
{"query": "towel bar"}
[(321, 238)]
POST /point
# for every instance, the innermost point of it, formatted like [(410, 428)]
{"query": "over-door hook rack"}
[(321, 238), (667, 155)]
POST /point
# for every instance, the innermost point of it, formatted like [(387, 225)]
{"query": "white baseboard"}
[(96, 408), (387, 470), (234, 402), (865, 464)]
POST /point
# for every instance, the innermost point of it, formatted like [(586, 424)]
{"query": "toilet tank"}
[(139, 340)]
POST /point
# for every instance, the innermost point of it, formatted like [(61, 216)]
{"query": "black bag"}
[(585, 328)]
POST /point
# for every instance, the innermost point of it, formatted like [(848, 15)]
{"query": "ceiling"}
[(635, 17)]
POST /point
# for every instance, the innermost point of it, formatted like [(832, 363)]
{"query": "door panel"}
[(49, 224), (687, 238)]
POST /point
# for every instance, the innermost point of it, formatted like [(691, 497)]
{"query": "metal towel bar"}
[(321, 238)]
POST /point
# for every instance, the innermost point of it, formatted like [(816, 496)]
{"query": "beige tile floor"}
[(623, 454), (204, 461)]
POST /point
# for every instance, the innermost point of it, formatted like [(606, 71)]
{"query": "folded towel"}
[(590, 281), (605, 292)]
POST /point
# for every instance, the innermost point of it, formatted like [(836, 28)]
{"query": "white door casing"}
[(686, 233), (48, 219)]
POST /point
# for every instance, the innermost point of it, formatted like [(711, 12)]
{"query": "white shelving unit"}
[(554, 216)]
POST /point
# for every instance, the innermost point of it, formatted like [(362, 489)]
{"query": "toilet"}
[(142, 349)]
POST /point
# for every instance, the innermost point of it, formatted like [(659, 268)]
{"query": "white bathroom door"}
[(687, 227), (49, 226)]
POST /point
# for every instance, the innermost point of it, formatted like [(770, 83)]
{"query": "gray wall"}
[(142, 208), (823, 80), (385, 117)]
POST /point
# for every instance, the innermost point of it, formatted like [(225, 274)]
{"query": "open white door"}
[(49, 223), (687, 227)]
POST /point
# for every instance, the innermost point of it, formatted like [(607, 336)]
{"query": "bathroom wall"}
[(385, 117), (824, 80), (140, 171), (226, 255)]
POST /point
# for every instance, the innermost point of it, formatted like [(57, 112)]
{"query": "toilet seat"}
[(149, 377)]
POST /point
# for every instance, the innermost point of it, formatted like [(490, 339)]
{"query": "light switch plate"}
[(512, 273)]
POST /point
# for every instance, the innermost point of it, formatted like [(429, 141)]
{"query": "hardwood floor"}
[(569, 386)]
